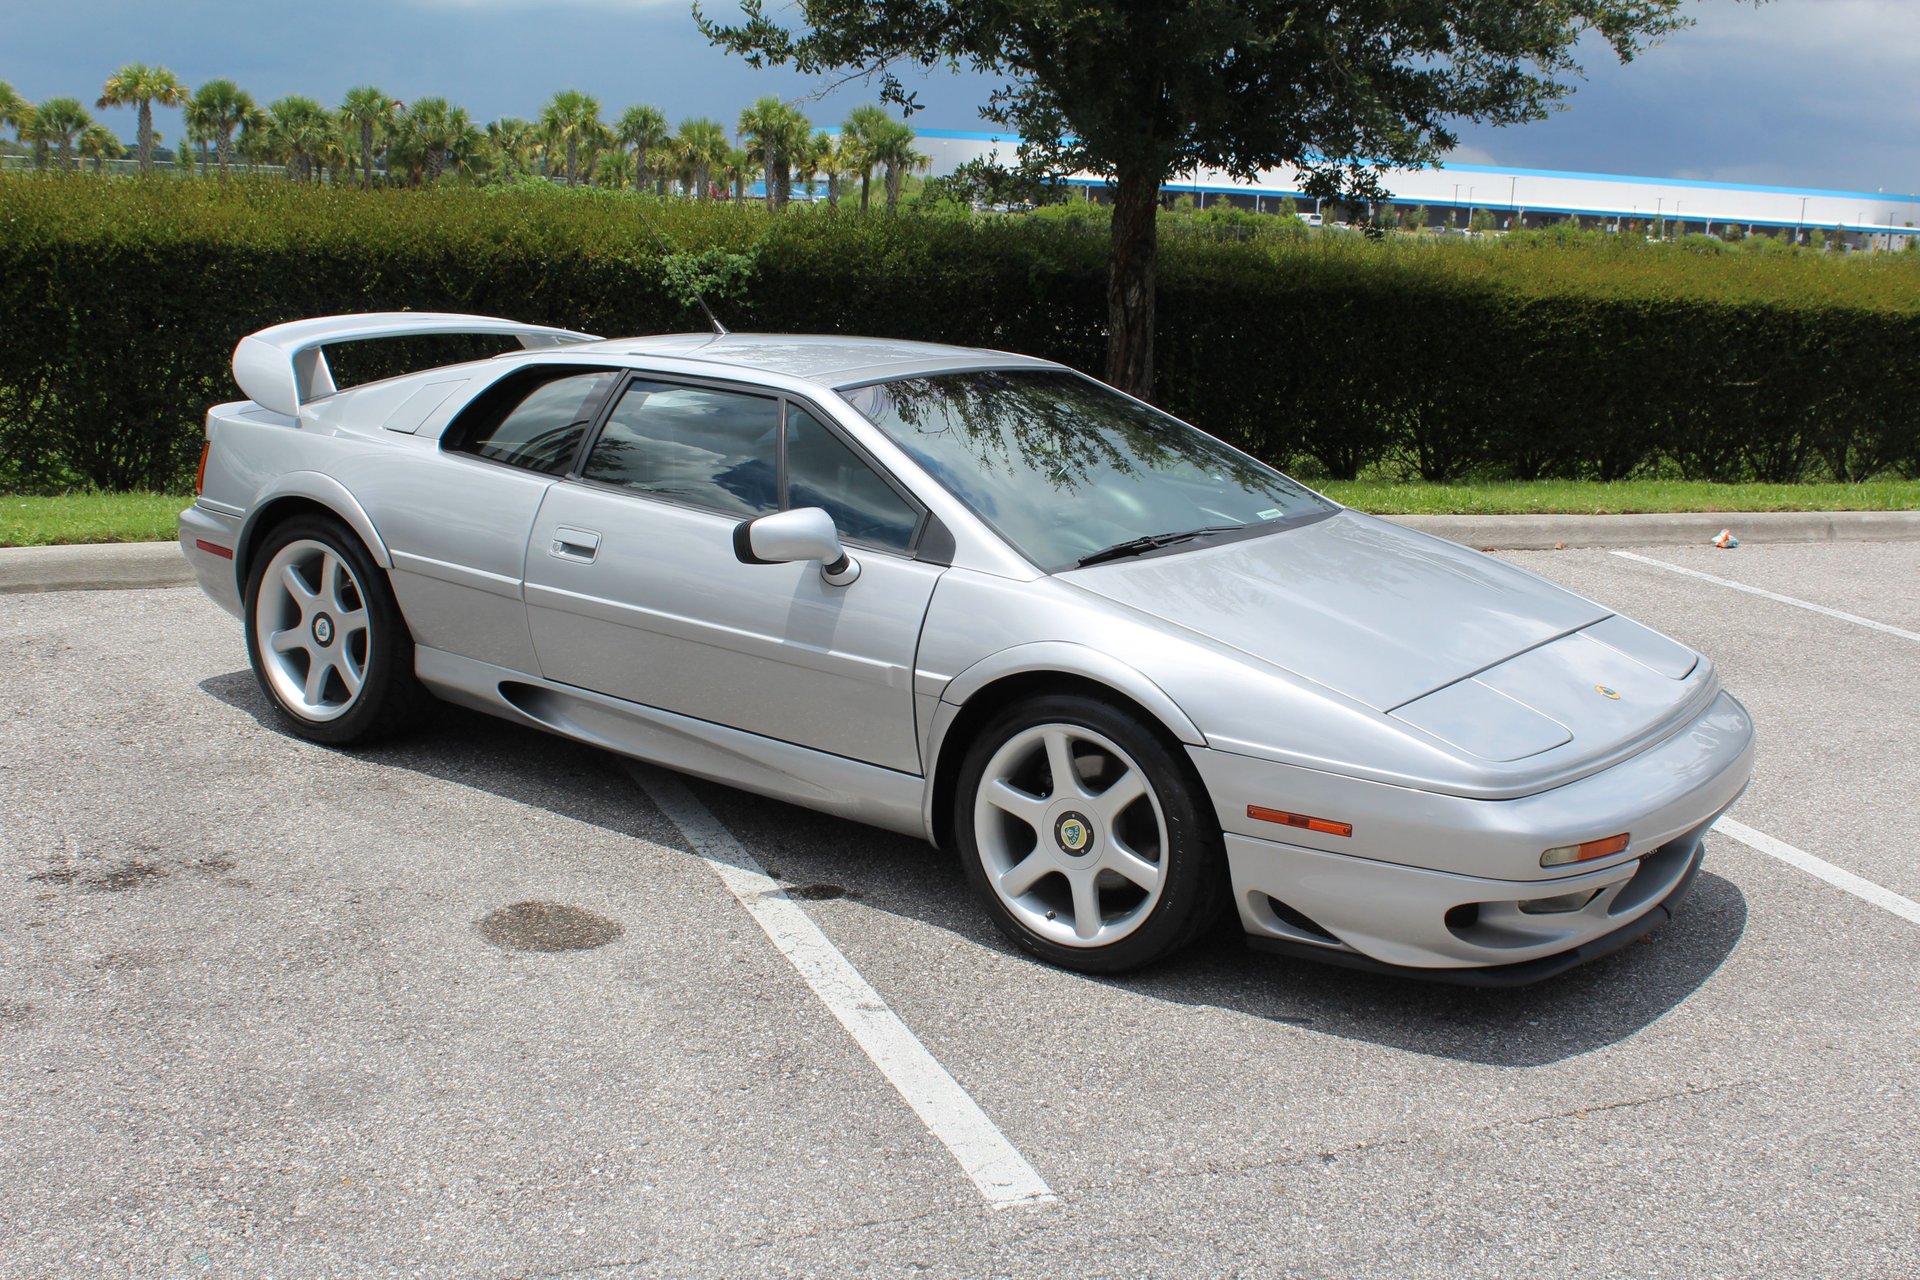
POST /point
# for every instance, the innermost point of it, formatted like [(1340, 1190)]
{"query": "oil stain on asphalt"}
[(820, 892), (133, 873), (547, 926)]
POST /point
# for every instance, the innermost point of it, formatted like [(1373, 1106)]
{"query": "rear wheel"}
[(1086, 837), (326, 640)]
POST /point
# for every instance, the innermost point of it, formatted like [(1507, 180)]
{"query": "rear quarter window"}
[(534, 419)]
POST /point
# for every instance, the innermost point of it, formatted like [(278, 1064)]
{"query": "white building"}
[(1532, 197)]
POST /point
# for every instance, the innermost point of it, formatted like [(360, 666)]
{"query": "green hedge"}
[(120, 303)]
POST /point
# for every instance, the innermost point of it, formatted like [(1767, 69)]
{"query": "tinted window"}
[(823, 472), (713, 449), (539, 428), (1065, 468)]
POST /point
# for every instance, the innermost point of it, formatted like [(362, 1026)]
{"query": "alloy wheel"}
[(1071, 835)]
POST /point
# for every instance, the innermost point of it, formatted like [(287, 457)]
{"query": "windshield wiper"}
[(1151, 542)]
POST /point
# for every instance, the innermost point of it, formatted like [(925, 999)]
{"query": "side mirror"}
[(804, 533)]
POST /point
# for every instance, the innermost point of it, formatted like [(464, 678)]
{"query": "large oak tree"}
[(1142, 90)]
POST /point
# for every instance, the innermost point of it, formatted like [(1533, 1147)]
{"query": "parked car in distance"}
[(1132, 676)]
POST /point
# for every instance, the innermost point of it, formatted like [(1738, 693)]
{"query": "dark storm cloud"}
[(1795, 92)]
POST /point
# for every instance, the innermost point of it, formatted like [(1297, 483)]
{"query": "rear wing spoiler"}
[(284, 367)]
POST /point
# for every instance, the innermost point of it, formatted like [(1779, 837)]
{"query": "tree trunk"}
[(366, 155), (773, 196), (1130, 274), (833, 191), (573, 158), (866, 183), (895, 175), (146, 135)]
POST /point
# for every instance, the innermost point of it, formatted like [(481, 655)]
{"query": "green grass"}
[(89, 517), (154, 517), (1584, 497)]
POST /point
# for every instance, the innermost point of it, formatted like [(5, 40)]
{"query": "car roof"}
[(829, 359)]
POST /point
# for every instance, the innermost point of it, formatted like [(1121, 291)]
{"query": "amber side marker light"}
[(1325, 826), (200, 476), (1566, 853)]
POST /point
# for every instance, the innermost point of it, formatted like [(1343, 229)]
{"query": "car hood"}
[(1375, 612)]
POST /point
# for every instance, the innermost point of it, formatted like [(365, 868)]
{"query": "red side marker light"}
[(1325, 826), (214, 548)]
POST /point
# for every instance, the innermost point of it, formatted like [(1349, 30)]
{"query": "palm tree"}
[(570, 118), (99, 145), (255, 142), (616, 170), (429, 133), (644, 129), (862, 130), (332, 154), (183, 157), (702, 145), (843, 161), (370, 110), (140, 85), (15, 111), (466, 144), (595, 143), (300, 130), (57, 122), (217, 110), (513, 142), (810, 160), (893, 150), (737, 167), (777, 131)]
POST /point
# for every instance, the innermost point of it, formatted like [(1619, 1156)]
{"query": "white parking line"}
[(1856, 619), (1000, 1172), (1866, 890)]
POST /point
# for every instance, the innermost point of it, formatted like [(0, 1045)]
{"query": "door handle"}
[(580, 545)]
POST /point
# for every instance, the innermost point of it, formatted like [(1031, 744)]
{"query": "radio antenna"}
[(673, 262)]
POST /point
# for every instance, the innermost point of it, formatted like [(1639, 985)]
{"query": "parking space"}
[(256, 1017)]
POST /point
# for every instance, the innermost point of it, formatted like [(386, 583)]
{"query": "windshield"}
[(1070, 471)]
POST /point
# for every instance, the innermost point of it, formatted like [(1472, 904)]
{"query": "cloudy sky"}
[(1819, 93)]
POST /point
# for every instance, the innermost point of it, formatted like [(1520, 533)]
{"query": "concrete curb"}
[(141, 565), (1546, 532), (119, 566)]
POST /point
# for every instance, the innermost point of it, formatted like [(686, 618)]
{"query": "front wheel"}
[(1085, 835), (325, 637)]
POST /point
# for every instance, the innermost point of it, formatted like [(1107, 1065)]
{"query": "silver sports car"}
[(1131, 675)]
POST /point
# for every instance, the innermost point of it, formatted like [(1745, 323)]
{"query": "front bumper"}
[(1440, 882), (1505, 975)]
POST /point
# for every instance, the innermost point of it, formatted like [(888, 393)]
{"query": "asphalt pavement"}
[(268, 1009)]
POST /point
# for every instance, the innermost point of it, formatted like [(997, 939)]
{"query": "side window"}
[(713, 449), (823, 472), (535, 421)]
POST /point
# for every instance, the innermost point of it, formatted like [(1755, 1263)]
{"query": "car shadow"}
[(822, 857)]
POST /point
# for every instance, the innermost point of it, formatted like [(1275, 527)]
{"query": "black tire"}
[(351, 628), (1104, 743)]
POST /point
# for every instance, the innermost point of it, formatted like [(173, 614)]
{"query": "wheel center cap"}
[(322, 630), (1073, 833)]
